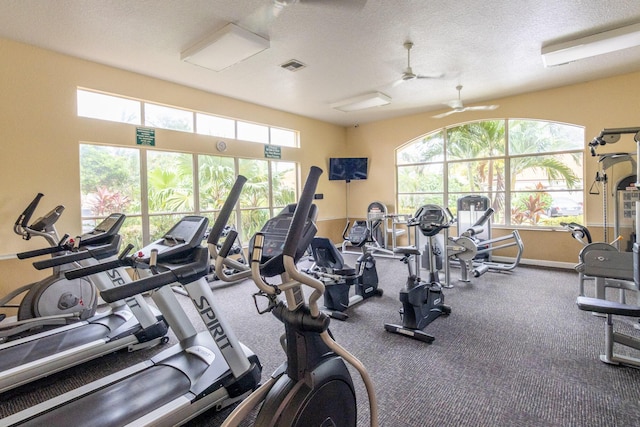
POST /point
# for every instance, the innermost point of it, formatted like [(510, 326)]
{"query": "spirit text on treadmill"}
[(212, 323)]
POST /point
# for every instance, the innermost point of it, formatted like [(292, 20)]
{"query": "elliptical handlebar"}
[(25, 216), (302, 211), (225, 212)]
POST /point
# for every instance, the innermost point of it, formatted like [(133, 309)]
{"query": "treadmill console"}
[(109, 227), (187, 234)]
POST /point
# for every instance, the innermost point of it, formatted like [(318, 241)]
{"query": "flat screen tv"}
[(347, 168)]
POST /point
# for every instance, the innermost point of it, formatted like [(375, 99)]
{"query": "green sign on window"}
[(146, 136), (272, 152)]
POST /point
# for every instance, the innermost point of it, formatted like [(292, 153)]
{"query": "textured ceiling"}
[(350, 48)]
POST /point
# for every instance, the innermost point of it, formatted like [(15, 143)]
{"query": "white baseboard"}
[(537, 262)]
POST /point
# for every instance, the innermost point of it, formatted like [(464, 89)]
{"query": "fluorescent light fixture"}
[(586, 47), (224, 48), (374, 99)]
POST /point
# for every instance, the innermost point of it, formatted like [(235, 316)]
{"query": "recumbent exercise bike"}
[(338, 277)]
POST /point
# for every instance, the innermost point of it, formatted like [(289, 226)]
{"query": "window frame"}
[(444, 161)]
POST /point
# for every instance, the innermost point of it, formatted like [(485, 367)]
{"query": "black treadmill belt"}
[(34, 350), (120, 403)]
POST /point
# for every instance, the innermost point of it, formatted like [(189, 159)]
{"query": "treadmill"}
[(130, 324), (204, 370)]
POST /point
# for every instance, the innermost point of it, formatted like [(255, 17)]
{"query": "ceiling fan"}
[(408, 73), (458, 107)]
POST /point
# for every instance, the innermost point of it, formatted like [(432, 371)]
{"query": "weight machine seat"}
[(327, 257), (607, 307), (407, 250)]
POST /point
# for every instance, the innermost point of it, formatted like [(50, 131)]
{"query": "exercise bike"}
[(313, 387), (422, 301), (55, 297), (338, 277)]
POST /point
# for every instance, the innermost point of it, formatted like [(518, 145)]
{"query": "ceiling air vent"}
[(293, 65)]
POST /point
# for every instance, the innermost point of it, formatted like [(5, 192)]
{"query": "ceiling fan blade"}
[(349, 4), (430, 76), (398, 82), (482, 107), (448, 113)]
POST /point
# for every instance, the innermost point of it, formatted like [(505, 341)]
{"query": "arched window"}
[(531, 170)]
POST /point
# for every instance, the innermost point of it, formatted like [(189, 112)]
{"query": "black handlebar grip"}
[(25, 217), (138, 287), (228, 243), (184, 274), (37, 252), (60, 260), (227, 209), (93, 269), (484, 218), (302, 211)]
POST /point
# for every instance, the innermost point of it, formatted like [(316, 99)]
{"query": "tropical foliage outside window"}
[(178, 184), (530, 170)]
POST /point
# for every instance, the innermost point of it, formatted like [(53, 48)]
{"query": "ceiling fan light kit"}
[(594, 45), (362, 102), (224, 48)]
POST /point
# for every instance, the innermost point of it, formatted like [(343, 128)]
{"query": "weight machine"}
[(611, 308), (474, 247)]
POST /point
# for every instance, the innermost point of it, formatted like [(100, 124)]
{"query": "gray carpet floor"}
[(515, 351)]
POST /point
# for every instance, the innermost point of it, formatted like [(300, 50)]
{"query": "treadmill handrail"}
[(98, 252), (62, 246), (122, 261), (184, 274)]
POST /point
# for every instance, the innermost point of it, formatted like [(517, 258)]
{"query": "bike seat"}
[(407, 250)]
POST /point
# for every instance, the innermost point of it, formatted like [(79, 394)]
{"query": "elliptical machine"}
[(422, 301), (338, 277), (313, 387), (54, 295)]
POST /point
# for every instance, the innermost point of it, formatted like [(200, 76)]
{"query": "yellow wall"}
[(40, 132)]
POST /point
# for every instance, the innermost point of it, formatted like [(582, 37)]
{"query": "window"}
[(283, 137), (169, 190), (162, 117), (111, 181), (215, 126), (106, 107), (253, 132), (530, 170), (119, 109)]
